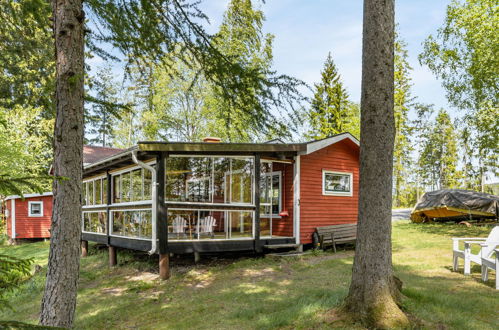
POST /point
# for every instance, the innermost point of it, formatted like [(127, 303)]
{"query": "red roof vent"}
[(210, 139)]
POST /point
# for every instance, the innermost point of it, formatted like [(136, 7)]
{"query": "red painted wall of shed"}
[(317, 209), (32, 227)]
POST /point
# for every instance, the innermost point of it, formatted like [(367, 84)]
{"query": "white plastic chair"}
[(492, 263), (179, 225), (206, 225), (487, 248)]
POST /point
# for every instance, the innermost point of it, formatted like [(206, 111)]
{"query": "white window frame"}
[(111, 223), (127, 170), (336, 193), (212, 180), (41, 209), (92, 232), (274, 215), (228, 230)]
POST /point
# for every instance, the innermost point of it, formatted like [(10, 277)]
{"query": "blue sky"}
[(306, 30)]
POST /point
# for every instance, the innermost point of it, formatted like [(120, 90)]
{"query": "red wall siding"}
[(317, 209), (33, 227), (284, 225)]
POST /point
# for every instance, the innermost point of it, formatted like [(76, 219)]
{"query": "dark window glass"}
[(104, 191), (137, 185), (126, 188), (98, 192), (334, 182), (188, 179), (147, 185), (116, 189), (118, 223)]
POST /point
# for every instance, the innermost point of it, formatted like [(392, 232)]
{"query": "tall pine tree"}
[(331, 111)]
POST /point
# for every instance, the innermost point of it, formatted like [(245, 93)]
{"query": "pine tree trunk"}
[(59, 298), (374, 291)]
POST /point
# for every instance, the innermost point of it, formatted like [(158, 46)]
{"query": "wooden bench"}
[(335, 234)]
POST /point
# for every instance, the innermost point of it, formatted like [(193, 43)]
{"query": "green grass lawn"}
[(266, 293)]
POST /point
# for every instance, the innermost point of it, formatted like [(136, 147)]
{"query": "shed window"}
[(35, 209), (336, 183)]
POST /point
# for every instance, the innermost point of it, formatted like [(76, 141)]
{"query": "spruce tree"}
[(403, 100), (329, 112), (105, 109), (438, 158)]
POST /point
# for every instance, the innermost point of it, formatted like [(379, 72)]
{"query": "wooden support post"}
[(84, 249), (109, 201), (113, 260), (197, 257), (161, 219), (258, 246), (164, 266)]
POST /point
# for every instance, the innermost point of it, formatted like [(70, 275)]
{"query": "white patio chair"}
[(178, 225), (492, 263), (487, 248), (206, 225)]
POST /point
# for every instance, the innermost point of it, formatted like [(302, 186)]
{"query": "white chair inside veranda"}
[(487, 246), (179, 225), (206, 225)]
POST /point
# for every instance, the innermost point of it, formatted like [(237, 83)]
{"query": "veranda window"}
[(190, 224), (95, 191), (198, 179), (132, 223), (95, 222), (131, 186)]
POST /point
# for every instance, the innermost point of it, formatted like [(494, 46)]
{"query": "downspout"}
[(154, 194)]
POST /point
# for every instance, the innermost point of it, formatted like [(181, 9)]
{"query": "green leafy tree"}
[(26, 90), (178, 107), (463, 54), (241, 39), (438, 159), (331, 111)]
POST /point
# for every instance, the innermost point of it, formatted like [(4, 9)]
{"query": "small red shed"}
[(29, 217), (328, 192)]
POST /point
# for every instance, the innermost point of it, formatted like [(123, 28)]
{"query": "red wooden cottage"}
[(30, 216), (179, 197)]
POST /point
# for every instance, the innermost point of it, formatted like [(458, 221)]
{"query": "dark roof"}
[(92, 154), (149, 150)]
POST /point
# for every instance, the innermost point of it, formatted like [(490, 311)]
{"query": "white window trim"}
[(92, 232), (336, 193), (211, 179), (35, 215), (274, 215), (111, 222)]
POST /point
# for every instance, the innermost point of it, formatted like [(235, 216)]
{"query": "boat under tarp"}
[(455, 204)]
